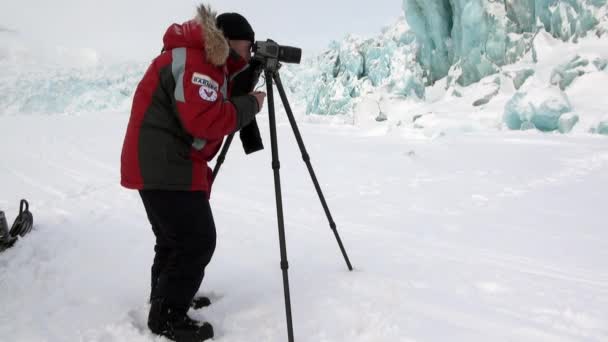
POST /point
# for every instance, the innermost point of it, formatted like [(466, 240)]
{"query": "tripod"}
[(271, 72)]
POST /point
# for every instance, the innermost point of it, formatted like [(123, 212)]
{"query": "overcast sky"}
[(134, 28)]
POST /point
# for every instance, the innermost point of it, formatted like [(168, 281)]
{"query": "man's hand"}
[(260, 96)]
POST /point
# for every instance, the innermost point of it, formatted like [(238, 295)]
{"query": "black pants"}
[(185, 241)]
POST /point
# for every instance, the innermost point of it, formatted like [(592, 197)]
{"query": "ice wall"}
[(466, 40), (331, 82), (480, 36), (68, 91), (42, 80)]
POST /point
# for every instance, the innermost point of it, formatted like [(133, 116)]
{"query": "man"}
[(181, 112)]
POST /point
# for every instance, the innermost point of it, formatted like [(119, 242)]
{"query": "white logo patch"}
[(209, 88), (207, 94)]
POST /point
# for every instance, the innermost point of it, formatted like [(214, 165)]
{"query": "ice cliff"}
[(514, 64), (462, 42), (480, 36)]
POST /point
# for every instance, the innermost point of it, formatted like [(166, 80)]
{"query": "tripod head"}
[(269, 54)]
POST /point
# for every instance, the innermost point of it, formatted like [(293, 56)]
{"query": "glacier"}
[(69, 91), (467, 63), (42, 80), (481, 35), (465, 40), (330, 82), (462, 42)]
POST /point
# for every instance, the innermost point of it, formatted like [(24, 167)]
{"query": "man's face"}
[(242, 47)]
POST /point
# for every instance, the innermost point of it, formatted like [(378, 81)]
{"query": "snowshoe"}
[(22, 225)]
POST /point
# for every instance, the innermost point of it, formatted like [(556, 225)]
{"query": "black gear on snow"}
[(176, 326)]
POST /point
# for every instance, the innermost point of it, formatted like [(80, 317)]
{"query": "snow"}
[(471, 237)]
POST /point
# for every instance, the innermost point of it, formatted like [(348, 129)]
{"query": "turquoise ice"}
[(539, 108), (68, 90), (331, 82), (564, 74), (483, 35)]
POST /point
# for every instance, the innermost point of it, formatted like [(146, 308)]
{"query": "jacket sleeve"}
[(243, 83), (200, 101)]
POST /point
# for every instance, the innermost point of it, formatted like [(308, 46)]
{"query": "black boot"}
[(200, 302), (176, 327)]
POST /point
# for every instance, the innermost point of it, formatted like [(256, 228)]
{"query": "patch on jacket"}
[(209, 87)]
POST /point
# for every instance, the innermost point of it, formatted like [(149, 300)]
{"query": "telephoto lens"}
[(270, 49), (290, 54)]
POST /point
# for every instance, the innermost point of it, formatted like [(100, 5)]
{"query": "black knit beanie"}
[(235, 27)]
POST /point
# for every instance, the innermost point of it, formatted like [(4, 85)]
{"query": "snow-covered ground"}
[(497, 236)]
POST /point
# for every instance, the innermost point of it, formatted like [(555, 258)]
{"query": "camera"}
[(270, 50)]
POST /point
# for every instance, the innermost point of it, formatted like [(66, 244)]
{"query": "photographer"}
[(182, 109)]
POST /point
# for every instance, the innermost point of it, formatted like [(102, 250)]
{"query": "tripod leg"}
[(306, 158), (276, 165), (222, 156)]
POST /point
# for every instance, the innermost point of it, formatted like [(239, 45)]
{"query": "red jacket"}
[(182, 110)]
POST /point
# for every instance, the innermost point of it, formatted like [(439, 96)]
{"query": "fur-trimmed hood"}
[(199, 33)]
